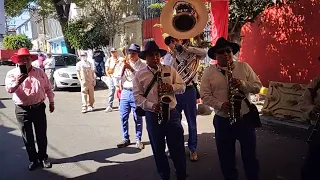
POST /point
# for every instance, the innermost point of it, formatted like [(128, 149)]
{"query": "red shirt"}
[(34, 89)]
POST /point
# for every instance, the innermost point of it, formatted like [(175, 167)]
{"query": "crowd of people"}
[(138, 80)]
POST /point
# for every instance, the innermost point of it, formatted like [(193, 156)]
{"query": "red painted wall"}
[(153, 32), (284, 44)]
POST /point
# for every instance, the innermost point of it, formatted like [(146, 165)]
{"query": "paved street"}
[(83, 146)]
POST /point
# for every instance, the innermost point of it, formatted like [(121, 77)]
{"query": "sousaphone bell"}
[(184, 19)]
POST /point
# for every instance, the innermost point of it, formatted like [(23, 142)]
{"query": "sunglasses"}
[(222, 51)]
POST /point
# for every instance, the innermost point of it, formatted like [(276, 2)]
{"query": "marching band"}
[(160, 89)]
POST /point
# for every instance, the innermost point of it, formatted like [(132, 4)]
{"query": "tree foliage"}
[(244, 11), (101, 21), (86, 33), (16, 41), (59, 9), (111, 13)]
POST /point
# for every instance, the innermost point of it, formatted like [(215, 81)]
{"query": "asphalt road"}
[(83, 146)]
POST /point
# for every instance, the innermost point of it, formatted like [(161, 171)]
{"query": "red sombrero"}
[(23, 52)]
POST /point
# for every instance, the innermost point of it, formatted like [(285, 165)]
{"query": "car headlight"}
[(65, 75)]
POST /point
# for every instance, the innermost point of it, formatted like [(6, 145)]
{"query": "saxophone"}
[(164, 99), (235, 98)]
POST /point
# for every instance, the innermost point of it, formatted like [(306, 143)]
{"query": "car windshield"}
[(65, 60)]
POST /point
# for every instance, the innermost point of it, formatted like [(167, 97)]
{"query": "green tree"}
[(60, 8), (16, 42), (87, 33)]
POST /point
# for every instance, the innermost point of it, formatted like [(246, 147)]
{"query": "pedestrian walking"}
[(86, 75)]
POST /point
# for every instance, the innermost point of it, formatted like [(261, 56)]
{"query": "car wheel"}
[(55, 87)]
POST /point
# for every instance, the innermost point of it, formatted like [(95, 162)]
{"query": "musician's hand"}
[(236, 83), (226, 106), (156, 108), (127, 66), (167, 87)]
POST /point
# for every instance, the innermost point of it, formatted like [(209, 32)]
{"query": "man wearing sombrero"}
[(214, 93), (171, 130), (29, 87), (127, 103)]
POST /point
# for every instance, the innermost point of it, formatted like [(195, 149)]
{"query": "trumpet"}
[(164, 99)]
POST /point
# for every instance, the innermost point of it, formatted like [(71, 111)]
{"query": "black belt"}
[(128, 89), (33, 106), (189, 87)]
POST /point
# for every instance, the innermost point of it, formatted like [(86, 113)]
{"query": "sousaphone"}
[(184, 19)]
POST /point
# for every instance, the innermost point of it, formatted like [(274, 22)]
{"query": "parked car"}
[(65, 75)]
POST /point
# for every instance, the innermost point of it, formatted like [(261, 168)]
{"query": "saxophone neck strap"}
[(150, 85)]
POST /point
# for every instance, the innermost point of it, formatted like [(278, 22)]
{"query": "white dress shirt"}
[(128, 75), (171, 61), (306, 102), (214, 86), (50, 63), (142, 80)]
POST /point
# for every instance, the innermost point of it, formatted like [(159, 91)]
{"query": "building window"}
[(26, 27)]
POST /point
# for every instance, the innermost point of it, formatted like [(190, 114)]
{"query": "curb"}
[(272, 121)]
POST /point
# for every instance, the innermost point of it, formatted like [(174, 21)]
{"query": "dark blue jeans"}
[(226, 136), (126, 105), (172, 131), (310, 169), (188, 103)]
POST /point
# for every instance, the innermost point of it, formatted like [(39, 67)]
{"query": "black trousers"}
[(226, 136), (311, 167), (29, 116)]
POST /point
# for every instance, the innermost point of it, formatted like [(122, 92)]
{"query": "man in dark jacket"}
[(98, 57)]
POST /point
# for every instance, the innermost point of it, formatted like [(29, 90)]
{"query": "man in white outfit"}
[(86, 76)]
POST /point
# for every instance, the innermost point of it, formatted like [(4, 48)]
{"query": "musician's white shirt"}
[(128, 75), (173, 62), (142, 80), (214, 86)]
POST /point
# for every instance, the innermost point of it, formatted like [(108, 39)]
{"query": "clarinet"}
[(234, 98), (314, 130)]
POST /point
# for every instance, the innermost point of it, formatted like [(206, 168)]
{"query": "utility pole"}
[(2, 20), (44, 32)]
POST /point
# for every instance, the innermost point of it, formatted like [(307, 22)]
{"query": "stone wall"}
[(131, 33)]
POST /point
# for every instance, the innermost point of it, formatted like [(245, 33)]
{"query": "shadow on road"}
[(14, 159), (280, 155)]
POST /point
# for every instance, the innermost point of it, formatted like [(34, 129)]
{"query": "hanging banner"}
[(219, 19)]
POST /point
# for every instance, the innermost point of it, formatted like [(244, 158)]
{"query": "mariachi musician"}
[(185, 59), (132, 65), (153, 85)]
